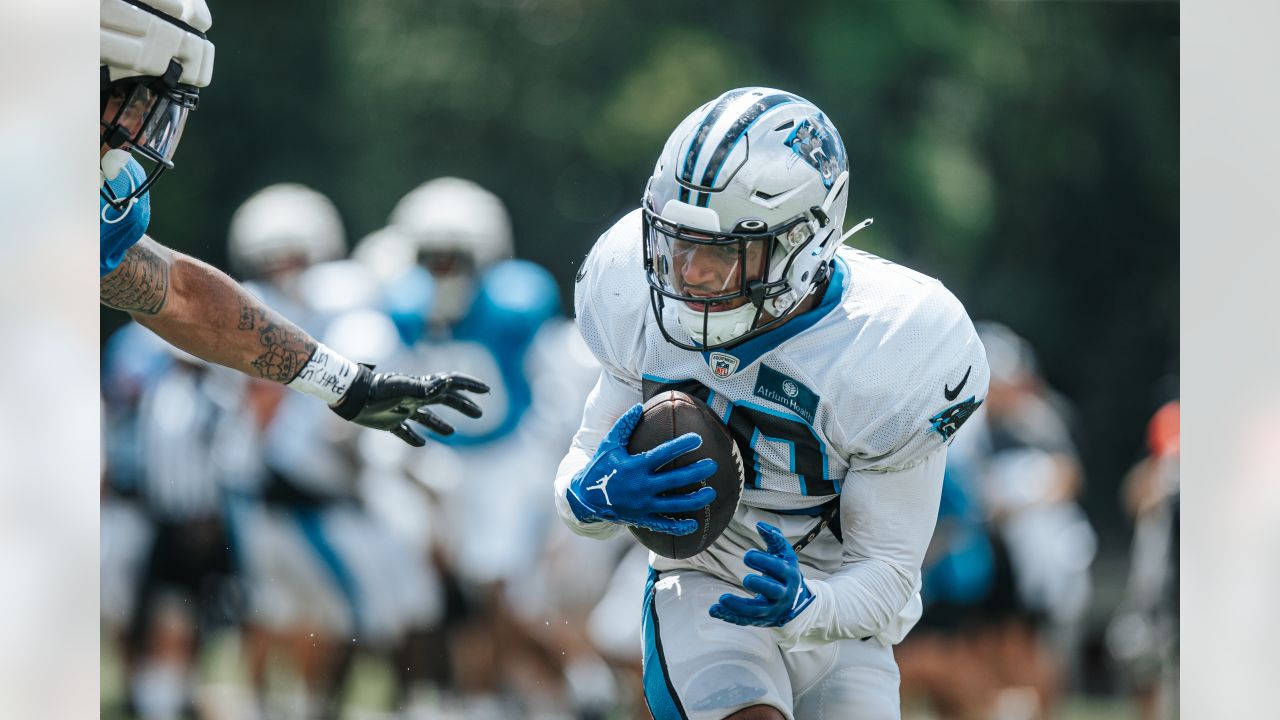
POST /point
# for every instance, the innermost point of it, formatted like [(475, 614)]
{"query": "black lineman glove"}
[(388, 401)]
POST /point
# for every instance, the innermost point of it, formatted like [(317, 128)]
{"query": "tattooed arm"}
[(197, 308)]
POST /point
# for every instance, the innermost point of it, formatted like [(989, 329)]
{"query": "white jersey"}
[(875, 379), (867, 380)]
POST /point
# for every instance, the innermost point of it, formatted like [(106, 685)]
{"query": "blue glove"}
[(619, 487), (781, 593)]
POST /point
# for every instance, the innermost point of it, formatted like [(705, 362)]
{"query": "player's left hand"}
[(388, 401), (781, 593)]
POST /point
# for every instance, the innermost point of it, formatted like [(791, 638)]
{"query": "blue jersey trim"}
[(785, 415), (659, 380), (755, 461)]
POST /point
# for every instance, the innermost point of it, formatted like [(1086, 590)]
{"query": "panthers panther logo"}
[(947, 422), (817, 143)]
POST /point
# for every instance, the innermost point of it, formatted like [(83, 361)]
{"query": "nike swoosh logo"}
[(953, 394)]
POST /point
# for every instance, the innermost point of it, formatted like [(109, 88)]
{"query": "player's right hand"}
[(619, 487)]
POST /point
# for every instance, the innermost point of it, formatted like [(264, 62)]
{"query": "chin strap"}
[(836, 187), (855, 229), (825, 269)]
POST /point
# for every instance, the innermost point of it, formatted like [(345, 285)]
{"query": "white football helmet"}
[(755, 181), (286, 224), (154, 59), (458, 229), (387, 253), (1011, 357)]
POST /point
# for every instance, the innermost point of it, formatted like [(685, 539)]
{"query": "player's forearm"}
[(863, 600), (201, 310), (608, 400)]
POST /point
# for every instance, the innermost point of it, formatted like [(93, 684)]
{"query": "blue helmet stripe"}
[(700, 137), (737, 130)]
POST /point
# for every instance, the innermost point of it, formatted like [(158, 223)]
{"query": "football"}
[(667, 416)]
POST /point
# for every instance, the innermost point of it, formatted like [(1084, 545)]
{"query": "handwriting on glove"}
[(619, 487), (389, 401), (780, 592)]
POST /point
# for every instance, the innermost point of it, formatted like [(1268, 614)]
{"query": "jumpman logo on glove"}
[(604, 481), (643, 492)]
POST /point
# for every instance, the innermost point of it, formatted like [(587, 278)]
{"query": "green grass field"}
[(222, 690)]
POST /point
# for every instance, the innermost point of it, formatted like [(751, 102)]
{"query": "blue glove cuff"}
[(580, 510), (803, 601)]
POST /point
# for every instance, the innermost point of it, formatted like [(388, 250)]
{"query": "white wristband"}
[(327, 375)]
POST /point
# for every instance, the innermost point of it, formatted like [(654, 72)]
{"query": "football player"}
[(317, 566), (1029, 475), (155, 58), (499, 318), (186, 577), (842, 378)]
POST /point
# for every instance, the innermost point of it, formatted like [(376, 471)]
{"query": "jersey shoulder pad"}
[(611, 298), (918, 368)]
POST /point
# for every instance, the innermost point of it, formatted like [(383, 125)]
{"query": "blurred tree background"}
[(1025, 153)]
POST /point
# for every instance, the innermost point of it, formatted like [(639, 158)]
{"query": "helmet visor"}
[(714, 271), (147, 119)]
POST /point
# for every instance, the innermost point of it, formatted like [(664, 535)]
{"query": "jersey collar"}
[(752, 350)]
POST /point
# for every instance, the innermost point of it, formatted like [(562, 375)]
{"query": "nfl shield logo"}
[(723, 364)]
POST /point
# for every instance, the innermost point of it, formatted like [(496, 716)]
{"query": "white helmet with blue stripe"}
[(754, 182)]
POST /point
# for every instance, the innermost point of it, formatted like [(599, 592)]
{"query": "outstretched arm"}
[(201, 310)]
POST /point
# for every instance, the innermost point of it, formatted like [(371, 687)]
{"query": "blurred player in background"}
[(167, 566), (1027, 476), (155, 57), (324, 577), (1007, 578), (498, 317), (1143, 635), (941, 661), (842, 378)]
